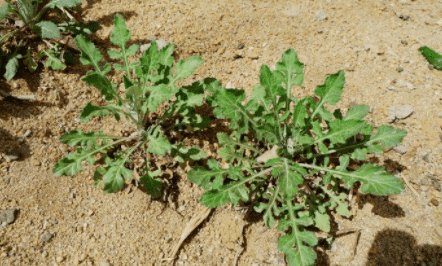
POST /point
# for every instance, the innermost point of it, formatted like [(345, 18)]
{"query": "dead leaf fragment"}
[(270, 154)]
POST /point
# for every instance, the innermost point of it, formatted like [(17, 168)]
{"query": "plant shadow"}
[(395, 247), (16, 146)]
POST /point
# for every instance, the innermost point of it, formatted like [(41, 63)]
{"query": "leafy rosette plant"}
[(304, 173), (153, 85)]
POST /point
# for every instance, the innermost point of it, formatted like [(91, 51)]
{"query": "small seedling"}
[(293, 158), (22, 22), (434, 58), (151, 85)]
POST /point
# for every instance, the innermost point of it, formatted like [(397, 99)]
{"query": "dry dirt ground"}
[(67, 221)]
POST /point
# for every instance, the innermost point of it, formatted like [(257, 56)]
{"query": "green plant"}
[(152, 85), (434, 58), (305, 174), (26, 17)]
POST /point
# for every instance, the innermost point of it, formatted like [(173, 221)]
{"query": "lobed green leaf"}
[(152, 185), (434, 58), (101, 83), (47, 30), (12, 66), (91, 110), (63, 3)]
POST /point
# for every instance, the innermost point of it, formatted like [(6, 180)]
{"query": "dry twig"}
[(191, 225), (9, 97)]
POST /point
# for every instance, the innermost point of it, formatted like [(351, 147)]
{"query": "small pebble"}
[(321, 15), (59, 259), (399, 69), (46, 237), (425, 156), (401, 149), (366, 47), (7, 216), (434, 202), (401, 112)]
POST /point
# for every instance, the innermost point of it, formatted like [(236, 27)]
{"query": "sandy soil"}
[(67, 221)]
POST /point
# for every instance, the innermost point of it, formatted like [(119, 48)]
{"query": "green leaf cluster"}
[(28, 16), (292, 156), (433, 57), (148, 84)]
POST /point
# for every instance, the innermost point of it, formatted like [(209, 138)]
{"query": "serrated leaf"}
[(120, 35), (98, 177), (119, 67), (269, 208), (322, 221), (302, 254), (53, 62), (232, 193), (357, 112), (268, 131), (91, 110), (341, 130), (89, 53), (114, 54), (289, 179), (268, 217), (47, 30), (29, 61), (191, 96), (102, 84), (330, 92), (359, 154), (342, 209), (127, 82), (158, 145), (63, 3), (299, 115), (344, 161), (4, 11), (387, 136), (259, 98), (152, 185), (185, 68), (12, 66), (114, 177), (338, 202), (76, 137), (158, 95), (193, 153), (271, 81), (292, 68), (77, 28), (229, 105), (208, 179), (375, 180), (26, 9), (72, 163), (434, 58), (67, 166), (133, 49)]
